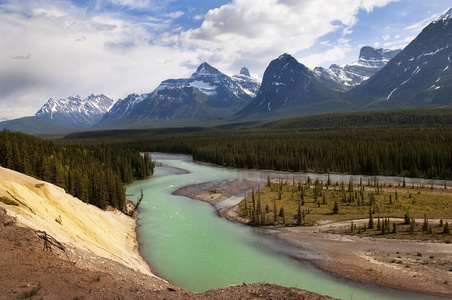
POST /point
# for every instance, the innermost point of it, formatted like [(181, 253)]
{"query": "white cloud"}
[(399, 43), (62, 51), (253, 32), (330, 56), (56, 49), (418, 26), (138, 4)]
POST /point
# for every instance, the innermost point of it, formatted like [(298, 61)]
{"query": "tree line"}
[(409, 151), (95, 174)]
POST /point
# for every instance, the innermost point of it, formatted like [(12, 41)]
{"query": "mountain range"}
[(207, 96), (416, 77)]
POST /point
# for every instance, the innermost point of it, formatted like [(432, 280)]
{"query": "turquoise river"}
[(188, 244)]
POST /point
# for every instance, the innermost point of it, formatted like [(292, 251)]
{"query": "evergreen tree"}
[(336, 208), (299, 214), (407, 218), (446, 229), (394, 227), (275, 212), (378, 223), (412, 225), (371, 220), (425, 225)]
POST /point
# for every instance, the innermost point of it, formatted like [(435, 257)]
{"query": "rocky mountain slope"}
[(63, 116), (370, 61), (76, 111), (289, 88), (419, 76), (207, 96), (416, 77)]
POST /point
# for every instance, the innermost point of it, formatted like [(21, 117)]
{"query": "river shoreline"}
[(407, 265)]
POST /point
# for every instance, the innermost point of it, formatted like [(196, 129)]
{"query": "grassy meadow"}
[(295, 203)]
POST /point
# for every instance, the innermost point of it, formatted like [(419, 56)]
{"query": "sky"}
[(61, 48)]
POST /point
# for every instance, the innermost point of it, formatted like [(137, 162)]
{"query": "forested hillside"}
[(400, 151), (94, 174), (414, 143)]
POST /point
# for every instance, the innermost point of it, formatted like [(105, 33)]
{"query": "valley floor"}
[(424, 267)]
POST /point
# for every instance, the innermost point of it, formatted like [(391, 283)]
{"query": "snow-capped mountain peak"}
[(206, 70), (206, 94), (245, 72), (208, 80), (75, 110), (248, 83), (445, 16), (370, 61)]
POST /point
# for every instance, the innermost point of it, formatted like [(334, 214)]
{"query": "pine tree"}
[(282, 214), (446, 229), (259, 218), (407, 218), (336, 208), (425, 225), (412, 225), (253, 210), (299, 214), (275, 212), (371, 220)]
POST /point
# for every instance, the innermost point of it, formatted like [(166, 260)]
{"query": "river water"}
[(186, 243)]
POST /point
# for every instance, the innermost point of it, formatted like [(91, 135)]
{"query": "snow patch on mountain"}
[(370, 61), (75, 110), (208, 79), (122, 106), (205, 87), (446, 16)]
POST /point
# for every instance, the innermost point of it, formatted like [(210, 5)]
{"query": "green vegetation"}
[(309, 203), (94, 174), (414, 143), (94, 165)]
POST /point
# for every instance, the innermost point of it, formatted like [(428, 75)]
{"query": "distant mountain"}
[(249, 84), (207, 96), (289, 88), (76, 111), (370, 61), (419, 76), (36, 126), (62, 116)]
